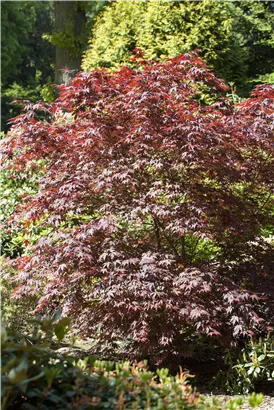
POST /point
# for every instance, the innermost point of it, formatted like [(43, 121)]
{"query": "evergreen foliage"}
[(255, 24), (27, 58), (236, 38)]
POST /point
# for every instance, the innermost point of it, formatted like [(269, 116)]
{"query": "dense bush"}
[(36, 376), (15, 312), (166, 29), (157, 197)]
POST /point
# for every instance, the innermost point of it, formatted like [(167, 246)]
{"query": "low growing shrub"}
[(36, 376)]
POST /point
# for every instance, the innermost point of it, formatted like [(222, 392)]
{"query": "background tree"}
[(70, 24), (73, 21), (234, 37), (31, 31), (13, 26), (27, 58), (255, 24)]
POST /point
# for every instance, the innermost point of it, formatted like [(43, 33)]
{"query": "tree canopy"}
[(27, 58), (13, 25)]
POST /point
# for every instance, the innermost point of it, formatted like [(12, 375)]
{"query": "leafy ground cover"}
[(36, 376)]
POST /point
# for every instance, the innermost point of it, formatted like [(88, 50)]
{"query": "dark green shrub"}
[(252, 368), (34, 375)]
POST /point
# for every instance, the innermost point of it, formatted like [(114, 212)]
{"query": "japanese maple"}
[(156, 192)]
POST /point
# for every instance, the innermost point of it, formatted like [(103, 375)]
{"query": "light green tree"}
[(165, 29), (235, 38)]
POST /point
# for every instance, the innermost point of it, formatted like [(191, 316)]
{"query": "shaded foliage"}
[(27, 58), (13, 24), (15, 313), (37, 374)]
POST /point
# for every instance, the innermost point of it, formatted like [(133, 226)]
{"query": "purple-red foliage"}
[(140, 177)]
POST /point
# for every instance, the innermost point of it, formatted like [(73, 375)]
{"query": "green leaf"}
[(251, 370), (54, 398), (16, 376), (61, 328), (50, 374)]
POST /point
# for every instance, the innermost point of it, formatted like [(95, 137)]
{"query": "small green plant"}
[(249, 369), (15, 313), (255, 400), (256, 363)]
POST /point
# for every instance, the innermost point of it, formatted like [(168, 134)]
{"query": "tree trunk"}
[(69, 15)]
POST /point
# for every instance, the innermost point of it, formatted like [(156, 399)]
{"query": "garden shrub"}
[(250, 368), (36, 376), (15, 311), (157, 196), (167, 29)]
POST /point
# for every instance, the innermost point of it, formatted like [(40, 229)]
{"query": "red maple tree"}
[(156, 193)]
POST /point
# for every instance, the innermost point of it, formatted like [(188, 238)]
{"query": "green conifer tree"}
[(235, 38), (166, 29)]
